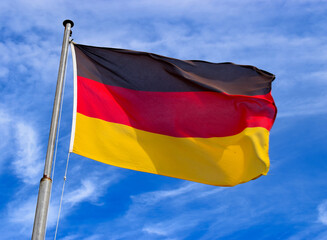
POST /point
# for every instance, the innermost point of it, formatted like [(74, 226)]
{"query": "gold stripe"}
[(222, 161)]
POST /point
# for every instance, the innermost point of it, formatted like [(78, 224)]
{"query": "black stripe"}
[(150, 72)]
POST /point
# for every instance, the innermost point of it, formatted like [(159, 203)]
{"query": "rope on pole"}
[(62, 196)]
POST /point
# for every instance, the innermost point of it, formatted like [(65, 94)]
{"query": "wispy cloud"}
[(21, 142), (315, 230), (215, 212), (20, 210), (87, 191), (90, 190), (27, 163), (303, 107), (71, 237), (80, 237), (322, 212), (168, 213)]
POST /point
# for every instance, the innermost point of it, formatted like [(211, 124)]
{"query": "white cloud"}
[(175, 227), (303, 107), (182, 194), (90, 188), (88, 191), (78, 190), (154, 197), (20, 141), (79, 237), (319, 77), (71, 237), (322, 212), (27, 163), (22, 212), (314, 230), (94, 237), (166, 213), (17, 219), (21, 151), (154, 230)]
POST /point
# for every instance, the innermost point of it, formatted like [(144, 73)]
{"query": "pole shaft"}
[(42, 206)]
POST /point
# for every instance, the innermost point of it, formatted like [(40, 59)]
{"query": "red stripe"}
[(177, 114)]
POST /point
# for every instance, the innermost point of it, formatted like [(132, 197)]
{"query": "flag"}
[(193, 120)]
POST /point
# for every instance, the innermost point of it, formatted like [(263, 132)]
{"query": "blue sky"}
[(287, 38)]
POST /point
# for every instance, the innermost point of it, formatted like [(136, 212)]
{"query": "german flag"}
[(194, 120)]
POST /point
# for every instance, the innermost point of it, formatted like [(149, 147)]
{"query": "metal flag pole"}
[(43, 199)]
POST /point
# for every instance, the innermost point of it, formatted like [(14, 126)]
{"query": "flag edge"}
[(72, 136)]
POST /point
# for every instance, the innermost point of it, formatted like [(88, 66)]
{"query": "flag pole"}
[(43, 199)]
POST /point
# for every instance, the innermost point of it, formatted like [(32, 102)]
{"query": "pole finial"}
[(68, 21)]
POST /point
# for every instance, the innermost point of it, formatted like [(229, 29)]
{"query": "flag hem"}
[(72, 136)]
